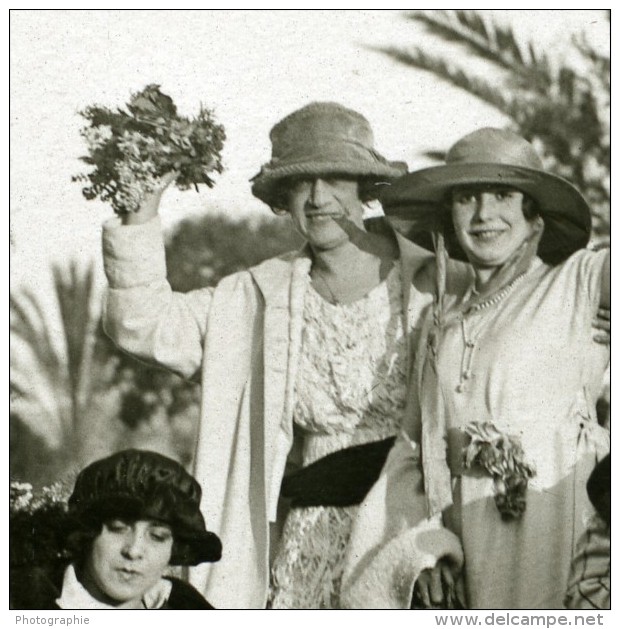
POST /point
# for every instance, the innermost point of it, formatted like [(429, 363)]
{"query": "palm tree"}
[(60, 368), (75, 396), (563, 110)]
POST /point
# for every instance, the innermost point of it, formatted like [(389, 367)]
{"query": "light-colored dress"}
[(524, 360), (350, 389)]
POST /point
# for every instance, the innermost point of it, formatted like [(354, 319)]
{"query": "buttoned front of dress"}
[(526, 363)]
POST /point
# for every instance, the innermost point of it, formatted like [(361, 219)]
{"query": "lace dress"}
[(350, 389)]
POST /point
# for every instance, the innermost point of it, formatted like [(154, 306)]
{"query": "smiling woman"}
[(317, 205), (131, 516), (304, 361), (507, 371), (490, 224)]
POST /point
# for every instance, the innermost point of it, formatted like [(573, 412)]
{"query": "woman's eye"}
[(464, 199), (297, 185), (161, 535), (117, 526)]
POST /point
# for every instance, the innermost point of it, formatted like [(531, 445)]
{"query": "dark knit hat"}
[(139, 484), (322, 139)]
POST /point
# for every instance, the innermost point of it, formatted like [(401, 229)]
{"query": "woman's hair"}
[(530, 205), (368, 190), (80, 540), (79, 543), (136, 485)]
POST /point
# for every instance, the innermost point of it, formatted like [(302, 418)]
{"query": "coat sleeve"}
[(142, 314)]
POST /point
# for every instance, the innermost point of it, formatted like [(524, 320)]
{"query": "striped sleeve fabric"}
[(589, 581)]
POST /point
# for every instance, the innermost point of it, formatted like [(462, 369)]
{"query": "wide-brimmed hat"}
[(322, 139), (140, 484), (493, 156)]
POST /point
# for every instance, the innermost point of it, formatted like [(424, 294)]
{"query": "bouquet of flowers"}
[(502, 457), (131, 149)]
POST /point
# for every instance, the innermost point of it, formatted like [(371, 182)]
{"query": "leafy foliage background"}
[(75, 397)]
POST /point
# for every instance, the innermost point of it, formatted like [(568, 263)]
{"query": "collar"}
[(274, 275), (75, 596)]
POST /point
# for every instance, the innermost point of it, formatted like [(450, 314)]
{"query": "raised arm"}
[(142, 314)]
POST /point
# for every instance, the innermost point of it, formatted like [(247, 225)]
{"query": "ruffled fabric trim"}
[(502, 457)]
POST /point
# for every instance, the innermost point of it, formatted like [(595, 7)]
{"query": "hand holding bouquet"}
[(131, 151)]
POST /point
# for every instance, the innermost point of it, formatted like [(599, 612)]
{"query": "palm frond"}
[(490, 41), (563, 110), (53, 365), (29, 325), (437, 156), (479, 87), (74, 291), (585, 48)]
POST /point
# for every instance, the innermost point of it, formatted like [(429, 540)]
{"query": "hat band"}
[(326, 149)]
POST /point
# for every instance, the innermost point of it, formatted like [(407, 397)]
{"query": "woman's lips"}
[(322, 217), (128, 574), (486, 234)]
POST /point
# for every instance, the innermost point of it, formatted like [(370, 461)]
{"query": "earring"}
[(278, 211)]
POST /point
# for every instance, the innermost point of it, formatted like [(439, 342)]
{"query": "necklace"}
[(497, 297), (471, 336)]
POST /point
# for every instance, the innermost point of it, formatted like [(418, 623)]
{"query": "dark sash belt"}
[(340, 479)]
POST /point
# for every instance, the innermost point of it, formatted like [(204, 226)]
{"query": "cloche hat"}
[(319, 139), (140, 484), (493, 156)]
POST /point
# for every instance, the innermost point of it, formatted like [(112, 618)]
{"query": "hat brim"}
[(419, 198), (198, 548), (265, 183)]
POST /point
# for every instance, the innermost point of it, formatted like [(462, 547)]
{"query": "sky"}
[(250, 67)]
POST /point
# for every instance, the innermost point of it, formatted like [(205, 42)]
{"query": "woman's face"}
[(126, 560), (489, 223), (323, 209)]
